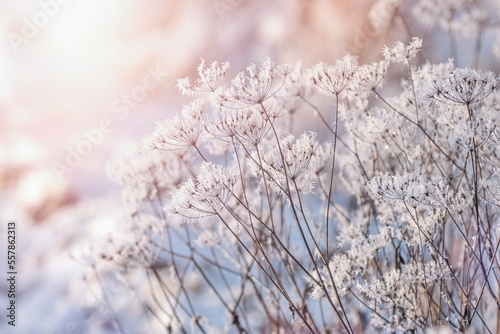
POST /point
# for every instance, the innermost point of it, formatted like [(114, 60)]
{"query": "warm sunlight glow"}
[(81, 25), (83, 31)]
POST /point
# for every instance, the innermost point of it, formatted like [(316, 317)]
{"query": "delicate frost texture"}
[(401, 53), (145, 175), (179, 132), (297, 83), (398, 290), (209, 79), (371, 76), (391, 215), (206, 195), (411, 189), (296, 155), (331, 80), (255, 88), (135, 243), (465, 86)]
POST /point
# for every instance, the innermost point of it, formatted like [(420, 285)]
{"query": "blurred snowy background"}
[(82, 81)]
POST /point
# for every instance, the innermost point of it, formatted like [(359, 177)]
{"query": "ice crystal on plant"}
[(297, 83), (388, 219), (332, 80), (135, 244), (255, 87), (209, 79), (179, 132), (411, 189), (148, 175), (293, 157), (401, 53), (371, 76), (206, 195), (465, 86)]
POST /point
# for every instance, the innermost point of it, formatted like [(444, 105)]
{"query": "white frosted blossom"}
[(411, 189), (331, 80), (401, 53), (296, 88), (399, 290), (465, 86), (134, 244), (371, 76), (255, 130), (209, 79), (292, 159), (254, 88), (179, 132), (225, 124), (206, 195), (147, 176), (297, 83)]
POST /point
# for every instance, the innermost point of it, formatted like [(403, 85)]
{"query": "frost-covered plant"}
[(389, 219)]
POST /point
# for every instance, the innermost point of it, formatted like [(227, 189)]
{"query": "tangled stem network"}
[(389, 219)]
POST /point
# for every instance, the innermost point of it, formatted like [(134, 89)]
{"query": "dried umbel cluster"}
[(392, 222), (386, 219)]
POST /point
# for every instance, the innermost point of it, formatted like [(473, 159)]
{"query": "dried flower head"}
[(401, 53), (178, 132), (332, 80), (465, 86), (206, 195), (209, 79), (254, 88)]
